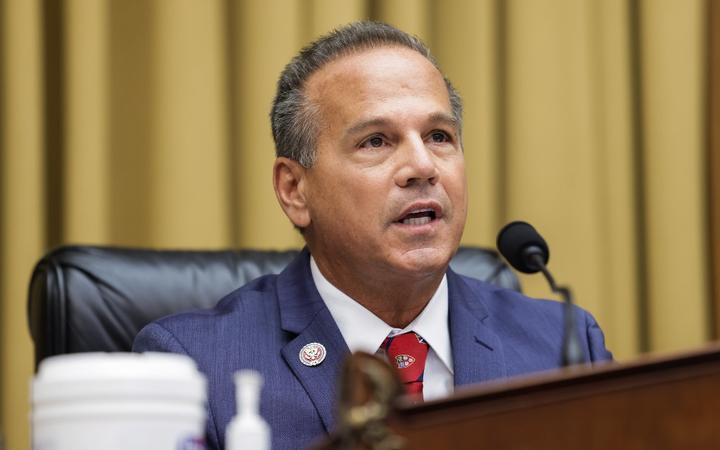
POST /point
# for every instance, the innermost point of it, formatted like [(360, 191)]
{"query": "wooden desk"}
[(655, 403)]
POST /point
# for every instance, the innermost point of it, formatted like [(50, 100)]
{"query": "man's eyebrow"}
[(444, 118), (441, 117), (360, 126)]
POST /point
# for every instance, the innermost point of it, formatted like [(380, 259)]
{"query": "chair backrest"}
[(85, 298)]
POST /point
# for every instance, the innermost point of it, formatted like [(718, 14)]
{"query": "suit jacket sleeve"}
[(156, 338), (595, 340)]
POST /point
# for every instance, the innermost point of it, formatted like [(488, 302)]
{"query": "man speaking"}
[(370, 169)]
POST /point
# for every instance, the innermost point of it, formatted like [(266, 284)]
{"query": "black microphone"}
[(527, 251), (521, 244)]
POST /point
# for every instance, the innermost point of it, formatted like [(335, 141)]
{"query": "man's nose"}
[(417, 164)]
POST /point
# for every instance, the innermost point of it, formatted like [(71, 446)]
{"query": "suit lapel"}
[(477, 351), (303, 312)]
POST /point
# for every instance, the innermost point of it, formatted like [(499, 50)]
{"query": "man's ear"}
[(289, 183)]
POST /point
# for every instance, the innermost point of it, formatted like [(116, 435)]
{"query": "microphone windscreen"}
[(515, 239)]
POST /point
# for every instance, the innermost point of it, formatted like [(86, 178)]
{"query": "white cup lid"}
[(118, 375)]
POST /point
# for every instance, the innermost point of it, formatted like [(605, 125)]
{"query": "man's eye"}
[(439, 136), (374, 142)]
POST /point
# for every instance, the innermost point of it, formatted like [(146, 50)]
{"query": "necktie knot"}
[(407, 353)]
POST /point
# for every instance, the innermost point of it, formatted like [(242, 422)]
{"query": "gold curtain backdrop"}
[(145, 123)]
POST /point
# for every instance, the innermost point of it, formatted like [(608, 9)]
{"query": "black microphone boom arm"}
[(572, 352)]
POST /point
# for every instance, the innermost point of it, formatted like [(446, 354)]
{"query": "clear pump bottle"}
[(247, 430)]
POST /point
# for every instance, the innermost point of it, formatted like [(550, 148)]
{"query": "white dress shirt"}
[(363, 330)]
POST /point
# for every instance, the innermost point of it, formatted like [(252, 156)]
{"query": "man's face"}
[(387, 192)]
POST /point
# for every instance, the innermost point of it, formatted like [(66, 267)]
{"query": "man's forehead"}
[(359, 86)]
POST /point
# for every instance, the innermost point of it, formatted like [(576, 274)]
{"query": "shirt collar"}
[(364, 331)]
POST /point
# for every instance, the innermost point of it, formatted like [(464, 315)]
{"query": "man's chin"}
[(423, 262)]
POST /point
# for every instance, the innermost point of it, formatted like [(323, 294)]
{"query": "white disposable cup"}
[(118, 401)]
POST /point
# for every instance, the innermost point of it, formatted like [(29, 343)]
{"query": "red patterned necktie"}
[(407, 353)]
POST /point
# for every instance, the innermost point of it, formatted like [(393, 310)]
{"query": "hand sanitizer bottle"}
[(248, 430)]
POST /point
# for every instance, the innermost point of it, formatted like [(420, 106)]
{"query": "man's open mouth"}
[(418, 217)]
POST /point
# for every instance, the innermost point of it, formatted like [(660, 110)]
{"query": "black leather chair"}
[(85, 299)]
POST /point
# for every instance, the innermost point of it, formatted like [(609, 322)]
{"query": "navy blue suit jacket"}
[(494, 333)]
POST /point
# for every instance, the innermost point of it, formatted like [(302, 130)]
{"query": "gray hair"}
[(294, 118)]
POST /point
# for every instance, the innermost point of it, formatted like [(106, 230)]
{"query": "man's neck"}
[(396, 299)]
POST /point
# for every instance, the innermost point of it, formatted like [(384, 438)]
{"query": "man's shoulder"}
[(531, 327), (507, 305), (239, 309), (250, 296)]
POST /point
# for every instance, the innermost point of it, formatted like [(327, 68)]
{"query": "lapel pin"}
[(312, 354)]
